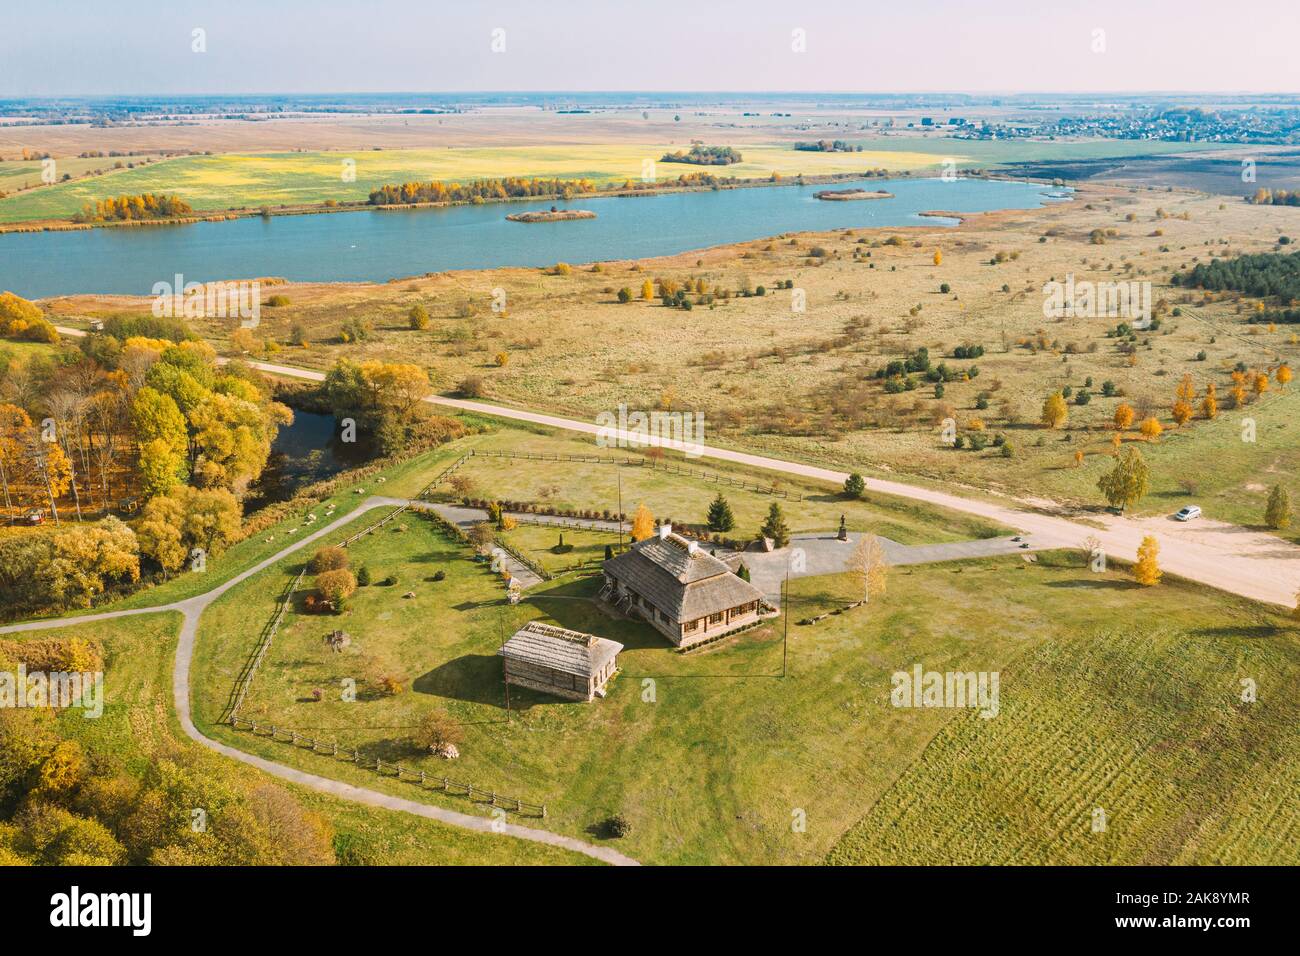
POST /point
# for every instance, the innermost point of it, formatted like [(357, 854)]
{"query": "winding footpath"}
[(191, 610)]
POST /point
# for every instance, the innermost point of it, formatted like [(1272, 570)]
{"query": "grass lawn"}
[(712, 755), (580, 485), (538, 543), (138, 728)]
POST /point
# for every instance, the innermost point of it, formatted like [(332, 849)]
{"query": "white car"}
[(1188, 513)]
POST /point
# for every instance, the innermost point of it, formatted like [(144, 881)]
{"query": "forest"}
[(124, 456), (1263, 275)]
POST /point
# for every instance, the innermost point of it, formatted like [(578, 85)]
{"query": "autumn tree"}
[(1124, 415), (1128, 482), (643, 523), (1283, 374), (869, 566), (87, 558), (1182, 412), (159, 532), (336, 586), (1146, 570), (1151, 429), (1055, 413), (1210, 404), (15, 425), (164, 441)]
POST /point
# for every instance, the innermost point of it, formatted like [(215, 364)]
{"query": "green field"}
[(138, 729), (239, 181), (822, 740), (1146, 724)]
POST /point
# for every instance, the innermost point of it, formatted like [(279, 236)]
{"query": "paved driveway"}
[(824, 554)]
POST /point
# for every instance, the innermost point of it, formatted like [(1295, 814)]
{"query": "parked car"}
[(35, 517), (1188, 513)]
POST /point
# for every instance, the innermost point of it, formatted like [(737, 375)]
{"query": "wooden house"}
[(558, 661), (687, 594)]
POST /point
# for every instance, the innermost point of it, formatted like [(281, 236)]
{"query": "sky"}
[(92, 47)]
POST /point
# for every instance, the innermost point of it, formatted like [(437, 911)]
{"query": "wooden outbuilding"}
[(558, 661)]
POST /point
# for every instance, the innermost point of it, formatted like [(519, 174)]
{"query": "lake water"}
[(376, 246)]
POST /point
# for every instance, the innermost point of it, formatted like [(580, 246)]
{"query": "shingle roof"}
[(685, 585), (559, 648)]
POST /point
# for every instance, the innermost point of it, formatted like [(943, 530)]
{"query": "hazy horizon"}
[(78, 48)]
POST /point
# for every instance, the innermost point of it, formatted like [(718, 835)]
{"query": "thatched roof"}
[(571, 652), (680, 578)]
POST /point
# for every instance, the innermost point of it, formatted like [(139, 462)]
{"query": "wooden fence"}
[(425, 779), (245, 679)]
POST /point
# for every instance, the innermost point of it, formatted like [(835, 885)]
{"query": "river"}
[(375, 246)]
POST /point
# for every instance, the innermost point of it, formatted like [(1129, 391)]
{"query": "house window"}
[(715, 619), (691, 626), (663, 617)]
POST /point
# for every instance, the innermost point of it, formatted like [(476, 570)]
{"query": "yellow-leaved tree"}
[(643, 523), (1146, 571), (1055, 412)]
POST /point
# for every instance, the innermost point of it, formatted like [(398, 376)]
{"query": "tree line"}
[(128, 208), (436, 191)]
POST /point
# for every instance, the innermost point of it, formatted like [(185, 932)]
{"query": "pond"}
[(307, 451)]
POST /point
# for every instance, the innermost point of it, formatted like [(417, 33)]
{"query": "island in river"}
[(552, 215), (843, 194)]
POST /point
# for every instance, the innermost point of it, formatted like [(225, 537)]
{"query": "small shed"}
[(558, 661)]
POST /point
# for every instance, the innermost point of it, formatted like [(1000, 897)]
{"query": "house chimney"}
[(664, 531), (692, 547)]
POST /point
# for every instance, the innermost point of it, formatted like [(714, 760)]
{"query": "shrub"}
[(328, 559), (617, 826), (277, 301), (363, 576), (436, 732)]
